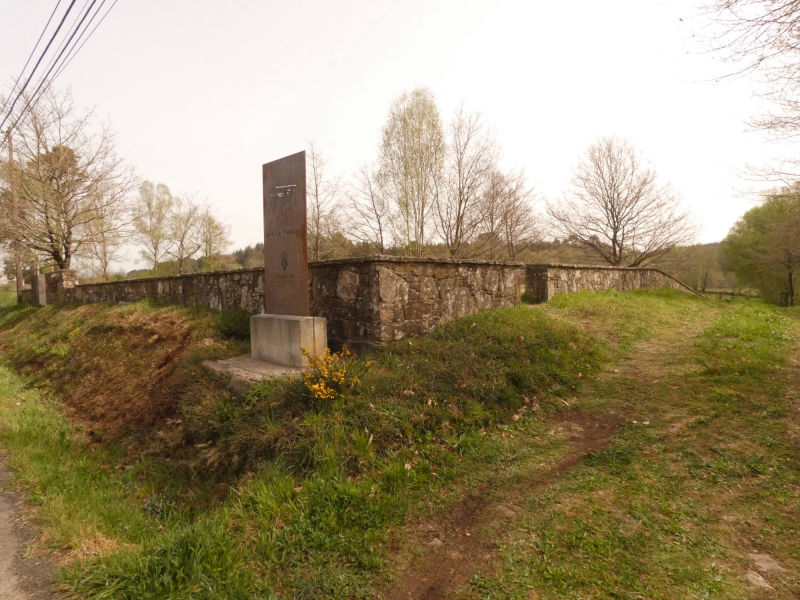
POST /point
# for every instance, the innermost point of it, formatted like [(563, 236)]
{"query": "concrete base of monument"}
[(243, 371), (281, 339)]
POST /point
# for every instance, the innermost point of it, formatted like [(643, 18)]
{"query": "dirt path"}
[(456, 545), (20, 578)]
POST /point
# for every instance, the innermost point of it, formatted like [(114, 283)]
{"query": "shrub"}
[(331, 374), (234, 323)]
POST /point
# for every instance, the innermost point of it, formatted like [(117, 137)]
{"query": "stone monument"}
[(287, 327)]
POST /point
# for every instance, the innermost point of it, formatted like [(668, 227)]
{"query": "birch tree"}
[(152, 221), (185, 231), (410, 165), (214, 239)]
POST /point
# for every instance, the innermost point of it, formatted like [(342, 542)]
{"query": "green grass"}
[(7, 297), (672, 507), (81, 499), (418, 418), (274, 493), (299, 472)]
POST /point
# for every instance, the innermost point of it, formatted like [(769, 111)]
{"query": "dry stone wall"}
[(542, 282), (220, 290), (372, 300), (366, 301), (379, 300)]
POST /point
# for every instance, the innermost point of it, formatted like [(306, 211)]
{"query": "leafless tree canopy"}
[(618, 209), (323, 205), (370, 212), (471, 157), (108, 234), (506, 224), (764, 36), (71, 187)]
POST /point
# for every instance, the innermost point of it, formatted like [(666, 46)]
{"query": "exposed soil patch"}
[(119, 372), (120, 391), (456, 546)]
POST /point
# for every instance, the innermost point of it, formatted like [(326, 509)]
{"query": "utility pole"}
[(14, 215)]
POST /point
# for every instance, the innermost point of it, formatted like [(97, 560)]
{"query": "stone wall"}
[(376, 300), (366, 301), (220, 290), (372, 300), (542, 282)]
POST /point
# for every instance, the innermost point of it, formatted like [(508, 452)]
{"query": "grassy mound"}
[(321, 487), (302, 468)]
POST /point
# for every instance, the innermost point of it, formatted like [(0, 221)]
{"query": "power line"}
[(27, 62), (32, 98), (73, 27), (59, 51), (36, 66), (41, 87), (75, 51)]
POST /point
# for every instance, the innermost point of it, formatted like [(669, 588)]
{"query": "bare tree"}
[(185, 227), (371, 216), (214, 239), (410, 166), (151, 221), (507, 225), (517, 222), (109, 232), (618, 209), (68, 179), (488, 242), (763, 36), (471, 155), (322, 193)]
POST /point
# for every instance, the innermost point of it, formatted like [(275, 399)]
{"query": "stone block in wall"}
[(38, 290), (347, 285), (392, 287), (60, 284), (416, 311), (428, 288)]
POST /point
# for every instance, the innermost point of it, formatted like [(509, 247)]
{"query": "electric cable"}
[(75, 51), (30, 56), (34, 97), (36, 66)]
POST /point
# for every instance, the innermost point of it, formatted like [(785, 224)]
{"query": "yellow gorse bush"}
[(330, 374)]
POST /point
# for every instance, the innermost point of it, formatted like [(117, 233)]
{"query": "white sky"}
[(202, 92)]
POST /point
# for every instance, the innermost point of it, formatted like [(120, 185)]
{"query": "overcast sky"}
[(202, 92)]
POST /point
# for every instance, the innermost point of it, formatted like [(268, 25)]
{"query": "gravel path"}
[(20, 578)]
